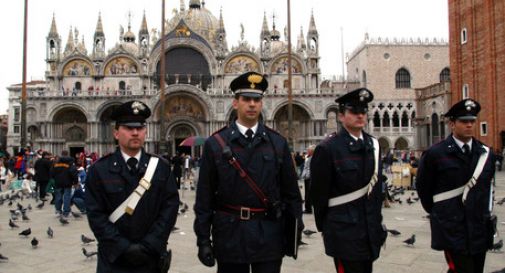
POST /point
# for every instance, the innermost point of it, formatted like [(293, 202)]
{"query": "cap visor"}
[(467, 118), (133, 124), (251, 95)]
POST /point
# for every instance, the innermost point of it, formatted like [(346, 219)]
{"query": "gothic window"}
[(434, 125), (385, 120), (405, 119), (376, 120), (445, 75), (396, 120), (402, 78)]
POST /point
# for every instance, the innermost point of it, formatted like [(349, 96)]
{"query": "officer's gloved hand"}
[(206, 255), (136, 254)]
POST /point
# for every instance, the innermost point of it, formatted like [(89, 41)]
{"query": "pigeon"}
[(308, 232), (19, 206), (41, 205), (29, 207), (184, 208), (12, 224), (394, 232), (34, 242), (410, 241), (3, 258), (63, 221), (10, 203), (76, 214), (25, 218), (409, 201), (501, 201), (86, 240), (88, 254), (497, 247), (50, 232), (26, 232)]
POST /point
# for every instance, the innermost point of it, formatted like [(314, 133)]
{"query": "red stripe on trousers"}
[(340, 266), (450, 261)]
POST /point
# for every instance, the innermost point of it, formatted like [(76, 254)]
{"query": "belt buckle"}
[(245, 213)]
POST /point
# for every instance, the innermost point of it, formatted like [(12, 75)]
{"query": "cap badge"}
[(363, 95), (469, 104), (137, 106), (254, 79)]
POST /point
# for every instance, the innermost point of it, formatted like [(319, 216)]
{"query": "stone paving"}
[(63, 253)]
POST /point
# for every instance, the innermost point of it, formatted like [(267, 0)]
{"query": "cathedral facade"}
[(71, 109)]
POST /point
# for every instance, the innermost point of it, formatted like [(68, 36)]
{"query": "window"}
[(122, 85), (427, 56), (376, 120), (396, 120), (465, 91), (17, 129), (405, 119), (17, 114), (387, 56), (445, 75), (483, 128), (78, 86), (464, 36), (385, 120), (402, 78)]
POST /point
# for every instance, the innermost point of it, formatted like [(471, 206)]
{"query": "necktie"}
[(249, 133), (466, 149), (360, 144), (132, 163)]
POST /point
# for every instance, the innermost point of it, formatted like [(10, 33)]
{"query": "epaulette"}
[(222, 129), (272, 130)]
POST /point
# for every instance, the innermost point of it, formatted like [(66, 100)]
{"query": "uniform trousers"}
[(462, 263), (261, 267), (346, 266)]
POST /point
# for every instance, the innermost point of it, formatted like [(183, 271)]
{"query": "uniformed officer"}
[(234, 225), (458, 227), (134, 241), (346, 194)]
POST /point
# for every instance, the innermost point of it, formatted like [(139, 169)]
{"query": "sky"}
[(384, 18)]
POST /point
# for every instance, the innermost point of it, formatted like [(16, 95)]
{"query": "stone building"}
[(393, 69), (71, 109), (477, 39)]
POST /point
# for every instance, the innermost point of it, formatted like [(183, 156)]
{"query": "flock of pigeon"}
[(19, 217)]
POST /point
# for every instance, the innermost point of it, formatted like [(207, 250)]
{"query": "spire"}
[(312, 24), (264, 28), (53, 32), (275, 34), (221, 21), (99, 26), (143, 25), (301, 45), (70, 42), (182, 7)]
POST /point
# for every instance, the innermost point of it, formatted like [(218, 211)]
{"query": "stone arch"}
[(278, 65), (183, 90), (301, 104), (384, 144), (376, 119), (301, 122), (70, 123), (401, 143), (177, 131)]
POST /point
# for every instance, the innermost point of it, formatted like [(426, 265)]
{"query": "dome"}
[(277, 47), (199, 20), (129, 36), (131, 47)]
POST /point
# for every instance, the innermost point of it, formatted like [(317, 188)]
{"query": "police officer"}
[(247, 233), (134, 241), (458, 227), (346, 193)]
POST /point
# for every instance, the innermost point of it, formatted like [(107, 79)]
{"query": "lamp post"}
[(163, 143), (23, 84), (290, 90)]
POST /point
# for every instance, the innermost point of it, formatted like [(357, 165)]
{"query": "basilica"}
[(71, 108)]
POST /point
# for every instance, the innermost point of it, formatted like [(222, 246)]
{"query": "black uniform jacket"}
[(108, 184), (268, 162), (454, 226), (339, 166)]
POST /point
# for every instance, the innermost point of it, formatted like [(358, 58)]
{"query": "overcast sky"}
[(384, 18)]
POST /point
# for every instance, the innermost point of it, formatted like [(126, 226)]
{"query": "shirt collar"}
[(126, 157), (461, 143), (356, 138), (243, 129)]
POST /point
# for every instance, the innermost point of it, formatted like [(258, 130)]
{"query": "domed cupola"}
[(194, 4)]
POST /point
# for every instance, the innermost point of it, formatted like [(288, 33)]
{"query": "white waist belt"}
[(131, 202)]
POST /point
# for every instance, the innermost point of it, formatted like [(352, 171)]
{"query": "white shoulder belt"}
[(128, 205)]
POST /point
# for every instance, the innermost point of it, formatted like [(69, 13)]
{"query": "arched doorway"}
[(70, 128), (401, 144), (384, 144), (300, 125), (177, 134)]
